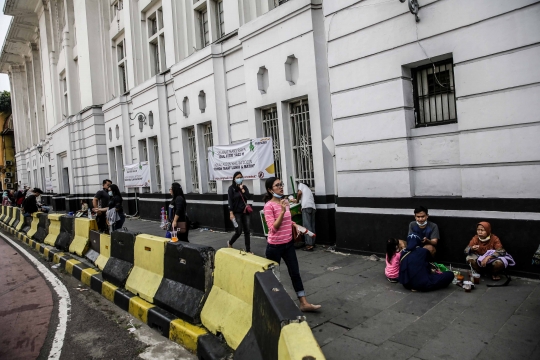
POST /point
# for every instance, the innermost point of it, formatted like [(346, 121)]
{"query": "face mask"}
[(422, 224), (277, 195), (239, 180), (110, 193)]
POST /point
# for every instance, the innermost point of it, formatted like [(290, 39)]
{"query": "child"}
[(393, 255)]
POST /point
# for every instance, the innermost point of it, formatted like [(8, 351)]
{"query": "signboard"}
[(254, 158), (49, 184), (137, 175)]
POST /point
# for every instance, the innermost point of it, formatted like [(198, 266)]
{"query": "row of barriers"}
[(214, 303)]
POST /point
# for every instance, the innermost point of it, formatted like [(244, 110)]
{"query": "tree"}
[(5, 102)]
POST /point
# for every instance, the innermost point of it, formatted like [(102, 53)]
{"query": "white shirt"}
[(307, 199)]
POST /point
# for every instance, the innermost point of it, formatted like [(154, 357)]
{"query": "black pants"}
[(101, 221), (287, 252), (243, 221)]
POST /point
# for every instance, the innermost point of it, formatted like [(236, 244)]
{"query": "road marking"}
[(64, 303)]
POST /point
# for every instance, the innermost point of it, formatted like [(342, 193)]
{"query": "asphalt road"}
[(96, 328)]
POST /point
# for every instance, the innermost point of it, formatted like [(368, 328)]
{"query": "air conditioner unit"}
[(7, 180), (9, 186), (9, 163), (8, 174)]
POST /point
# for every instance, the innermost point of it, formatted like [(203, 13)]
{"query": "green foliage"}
[(5, 102)]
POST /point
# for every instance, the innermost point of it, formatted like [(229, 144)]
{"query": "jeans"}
[(243, 221), (308, 221), (287, 252)]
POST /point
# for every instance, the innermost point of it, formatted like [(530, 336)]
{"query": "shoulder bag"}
[(248, 209)]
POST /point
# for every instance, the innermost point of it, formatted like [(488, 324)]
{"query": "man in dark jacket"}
[(30, 204)]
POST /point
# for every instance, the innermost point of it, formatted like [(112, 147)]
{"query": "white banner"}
[(137, 175), (49, 184), (254, 158)]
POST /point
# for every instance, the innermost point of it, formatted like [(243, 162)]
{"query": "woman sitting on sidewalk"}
[(485, 250), (280, 242)]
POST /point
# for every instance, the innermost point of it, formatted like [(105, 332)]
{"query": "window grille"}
[(156, 164), (156, 42), (66, 97), (122, 66), (302, 147), (434, 94), (192, 148), (279, 2), (221, 19), (271, 130), (208, 143), (205, 36)]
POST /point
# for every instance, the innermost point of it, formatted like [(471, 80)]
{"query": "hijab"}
[(487, 227)]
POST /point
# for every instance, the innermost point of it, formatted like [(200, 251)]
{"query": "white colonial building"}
[(377, 112)]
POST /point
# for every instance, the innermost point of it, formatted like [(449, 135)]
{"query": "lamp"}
[(141, 118), (41, 153), (151, 120), (414, 8)]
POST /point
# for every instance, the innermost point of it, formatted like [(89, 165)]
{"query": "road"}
[(95, 328)]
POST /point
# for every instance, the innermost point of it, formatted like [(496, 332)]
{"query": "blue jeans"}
[(308, 221), (287, 252)]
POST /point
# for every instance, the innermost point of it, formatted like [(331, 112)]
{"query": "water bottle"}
[(234, 222), (163, 221)]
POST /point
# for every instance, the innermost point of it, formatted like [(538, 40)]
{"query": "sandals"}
[(495, 277), (308, 248)]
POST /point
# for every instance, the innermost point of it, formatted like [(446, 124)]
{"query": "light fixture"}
[(151, 120), (141, 118), (41, 153), (414, 8)]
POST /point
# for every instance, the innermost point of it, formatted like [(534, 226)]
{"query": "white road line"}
[(64, 303)]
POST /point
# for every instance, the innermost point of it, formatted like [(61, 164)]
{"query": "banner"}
[(137, 175), (254, 158), (49, 184)]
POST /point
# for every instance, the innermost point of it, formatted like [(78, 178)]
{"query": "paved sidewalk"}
[(366, 317)]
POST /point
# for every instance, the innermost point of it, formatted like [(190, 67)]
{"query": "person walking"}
[(177, 213), (100, 201), (239, 210), (280, 240), (305, 197)]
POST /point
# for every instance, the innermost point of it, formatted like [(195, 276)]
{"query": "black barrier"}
[(67, 233), (42, 229), (3, 214), (187, 280), (93, 252), (17, 216), (9, 215), (121, 261), (210, 347), (27, 224), (273, 308)]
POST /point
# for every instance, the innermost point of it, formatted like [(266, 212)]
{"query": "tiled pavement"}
[(366, 317)]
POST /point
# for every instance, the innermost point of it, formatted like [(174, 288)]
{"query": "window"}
[(156, 162), (143, 155), (42, 175), (192, 149), (156, 42), (120, 165), (271, 130), (279, 2), (208, 143), (66, 97), (205, 35), (115, 7), (220, 21), (434, 94), (112, 161), (122, 66), (301, 139)]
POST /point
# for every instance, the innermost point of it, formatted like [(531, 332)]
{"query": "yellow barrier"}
[(33, 228), (21, 221), (104, 251), (54, 229), (81, 241), (228, 308), (147, 272), (13, 216), (296, 342), (185, 334)]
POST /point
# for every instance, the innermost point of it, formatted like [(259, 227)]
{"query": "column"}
[(38, 91)]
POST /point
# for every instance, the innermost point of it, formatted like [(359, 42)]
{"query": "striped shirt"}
[(284, 234)]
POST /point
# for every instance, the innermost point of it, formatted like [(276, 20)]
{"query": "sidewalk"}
[(365, 316)]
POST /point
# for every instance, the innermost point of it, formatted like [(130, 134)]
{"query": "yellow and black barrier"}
[(120, 263), (53, 229), (81, 241)]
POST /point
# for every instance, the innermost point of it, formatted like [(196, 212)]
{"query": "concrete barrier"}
[(16, 218), (20, 224), (296, 342), (93, 246), (81, 241), (11, 216), (2, 213), (43, 228), (120, 263), (104, 251), (187, 280), (67, 232), (147, 272), (34, 227), (26, 225), (228, 309), (53, 229)]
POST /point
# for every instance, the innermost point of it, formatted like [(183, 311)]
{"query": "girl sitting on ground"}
[(393, 254)]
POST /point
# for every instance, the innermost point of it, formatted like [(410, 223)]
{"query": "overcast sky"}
[(4, 25)]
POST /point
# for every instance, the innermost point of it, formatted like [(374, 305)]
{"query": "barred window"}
[(271, 130), (122, 66), (192, 149), (434, 94), (205, 35), (302, 147), (156, 42), (209, 143), (220, 18), (156, 163)]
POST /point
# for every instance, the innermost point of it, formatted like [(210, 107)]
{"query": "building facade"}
[(376, 112)]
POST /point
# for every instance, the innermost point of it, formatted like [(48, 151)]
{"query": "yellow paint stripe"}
[(107, 290), (86, 275), (46, 252), (69, 265), (139, 308), (185, 334), (57, 256)]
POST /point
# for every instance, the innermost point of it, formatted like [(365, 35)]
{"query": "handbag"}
[(248, 209)]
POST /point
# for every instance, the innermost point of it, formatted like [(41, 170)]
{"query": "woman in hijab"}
[(483, 242)]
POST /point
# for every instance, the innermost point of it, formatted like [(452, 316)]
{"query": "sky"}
[(4, 25)]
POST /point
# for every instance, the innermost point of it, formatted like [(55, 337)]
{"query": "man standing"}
[(426, 230), (30, 204), (305, 196), (101, 200)]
